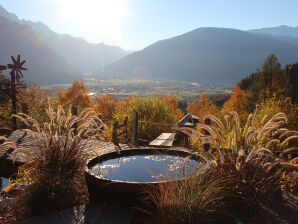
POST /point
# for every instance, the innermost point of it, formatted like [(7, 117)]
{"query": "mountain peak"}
[(278, 31), (7, 14)]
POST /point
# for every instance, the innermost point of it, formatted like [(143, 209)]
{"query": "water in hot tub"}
[(145, 168)]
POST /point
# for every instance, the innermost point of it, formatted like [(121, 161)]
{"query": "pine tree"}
[(271, 72)]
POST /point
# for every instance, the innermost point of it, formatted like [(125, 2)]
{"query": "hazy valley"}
[(199, 125), (204, 55)]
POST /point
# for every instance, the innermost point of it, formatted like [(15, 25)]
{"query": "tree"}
[(292, 74), (269, 107), (271, 80), (76, 94), (105, 105), (33, 101), (271, 73), (173, 102), (202, 107), (155, 116), (239, 101)]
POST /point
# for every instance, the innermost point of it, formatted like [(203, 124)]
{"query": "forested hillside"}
[(272, 80)]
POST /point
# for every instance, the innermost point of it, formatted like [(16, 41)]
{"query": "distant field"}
[(122, 87)]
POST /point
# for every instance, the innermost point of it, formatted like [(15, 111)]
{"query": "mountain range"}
[(216, 55), (208, 54), (51, 57), (279, 31)]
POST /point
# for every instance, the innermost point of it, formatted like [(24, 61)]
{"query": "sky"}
[(135, 24)]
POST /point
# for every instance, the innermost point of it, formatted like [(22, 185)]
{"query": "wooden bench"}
[(164, 140)]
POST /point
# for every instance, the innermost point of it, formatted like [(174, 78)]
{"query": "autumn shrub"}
[(35, 101), (76, 94), (271, 106), (5, 107), (155, 116), (32, 99), (173, 102), (105, 105), (239, 101), (289, 181), (55, 162), (202, 107), (5, 115)]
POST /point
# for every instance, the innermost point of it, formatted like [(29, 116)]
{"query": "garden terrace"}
[(88, 213), (91, 213), (10, 162)]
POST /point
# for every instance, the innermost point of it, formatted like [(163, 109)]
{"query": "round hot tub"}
[(123, 176)]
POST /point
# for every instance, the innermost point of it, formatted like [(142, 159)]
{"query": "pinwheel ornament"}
[(11, 87), (17, 68)]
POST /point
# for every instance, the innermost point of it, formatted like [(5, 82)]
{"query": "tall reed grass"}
[(5, 144), (54, 177), (243, 159), (201, 198)]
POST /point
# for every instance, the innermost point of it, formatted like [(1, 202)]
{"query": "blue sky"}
[(135, 24)]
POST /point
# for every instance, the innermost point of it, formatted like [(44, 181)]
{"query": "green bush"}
[(272, 106), (151, 110)]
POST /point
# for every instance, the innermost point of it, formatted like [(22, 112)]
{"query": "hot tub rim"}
[(145, 150)]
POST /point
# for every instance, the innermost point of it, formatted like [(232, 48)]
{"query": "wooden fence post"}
[(207, 133), (24, 108), (134, 128), (125, 122), (114, 133), (13, 99), (74, 112)]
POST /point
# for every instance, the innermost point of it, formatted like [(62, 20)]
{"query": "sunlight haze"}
[(135, 24)]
